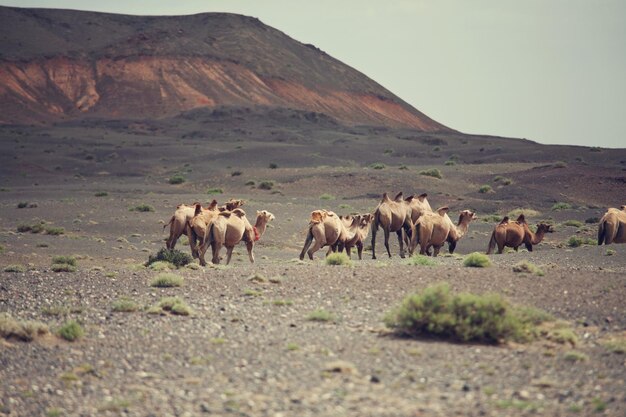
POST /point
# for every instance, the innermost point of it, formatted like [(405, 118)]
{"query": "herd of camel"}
[(411, 218)]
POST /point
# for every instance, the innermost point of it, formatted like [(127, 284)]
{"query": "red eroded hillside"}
[(62, 64)]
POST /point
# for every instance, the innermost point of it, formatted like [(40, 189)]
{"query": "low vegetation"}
[(273, 165), (321, 315), (24, 331), (502, 180), (173, 256), (421, 260), (40, 227), (173, 305), (577, 241), (561, 206), (15, 268), (573, 223), (327, 197), (101, 194), (71, 331), (338, 258), (528, 268), (266, 185), (64, 264), (476, 260), (484, 189), (434, 172), (378, 165), (167, 280), (213, 191), (177, 179), (527, 212), (142, 208), (463, 317), (124, 305)]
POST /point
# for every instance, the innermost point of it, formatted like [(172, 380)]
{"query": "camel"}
[(419, 205), (364, 222), (612, 227), (197, 227), (327, 229), (178, 222), (434, 229), (514, 234), (231, 227), (393, 216), (231, 205)]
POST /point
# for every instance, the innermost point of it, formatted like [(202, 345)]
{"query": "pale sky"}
[(553, 71)]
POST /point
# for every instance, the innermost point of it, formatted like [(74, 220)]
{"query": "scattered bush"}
[(576, 241), (449, 163), (609, 252), (143, 208), (434, 172), (595, 149), (491, 218), (54, 231), (528, 212), (173, 305), (235, 173), (403, 167), (463, 317), (388, 151), (15, 268), (338, 258), (69, 260), (561, 206), (527, 267), (173, 256), (378, 165), (125, 305), (71, 331), (327, 197), (266, 185), (177, 179), (477, 260), (101, 194), (167, 280), (250, 183), (485, 189), (24, 331), (212, 191), (573, 223), (63, 268), (575, 356), (22, 204), (273, 165), (37, 227), (591, 220), (321, 315), (502, 180), (421, 260)]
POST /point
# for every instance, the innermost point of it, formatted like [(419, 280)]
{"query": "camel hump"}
[(443, 210), (505, 220), (213, 205), (198, 209), (398, 197), (409, 198), (238, 212), (225, 213), (385, 198), (521, 219), (317, 216), (422, 197)]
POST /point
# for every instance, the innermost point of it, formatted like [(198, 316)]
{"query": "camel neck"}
[(260, 225), (536, 238), (462, 227)]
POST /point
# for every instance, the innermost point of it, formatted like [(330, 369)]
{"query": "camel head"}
[(233, 204), (265, 215), (623, 208), (545, 228), (366, 219), (467, 216), (198, 209)]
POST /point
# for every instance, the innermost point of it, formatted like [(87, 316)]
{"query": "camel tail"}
[(606, 233), (492, 243), (307, 242), (168, 223)]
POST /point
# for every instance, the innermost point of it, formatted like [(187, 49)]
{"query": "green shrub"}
[(173, 256), (403, 167), (491, 218), (609, 252), (125, 305), (449, 163), (338, 258), (576, 241), (591, 220), (575, 356), (561, 206), (266, 185), (54, 231), (167, 280), (477, 260), (69, 260), (421, 260), (321, 315), (212, 191), (573, 223), (378, 165), (173, 305), (24, 331), (15, 268), (71, 331), (434, 172), (463, 317), (22, 204), (560, 164), (527, 267), (101, 194), (250, 183), (273, 165), (327, 197), (177, 179), (63, 268), (502, 180), (143, 208), (388, 151), (485, 189)]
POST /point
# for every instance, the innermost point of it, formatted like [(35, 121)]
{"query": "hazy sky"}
[(553, 71)]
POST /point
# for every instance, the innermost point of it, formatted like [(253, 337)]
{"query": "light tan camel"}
[(419, 205), (514, 234), (612, 227), (393, 216), (231, 227), (231, 205), (364, 222), (178, 222), (198, 226), (328, 230), (434, 229)]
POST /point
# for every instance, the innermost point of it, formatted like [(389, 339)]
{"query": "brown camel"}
[(327, 229), (514, 234), (231, 227), (198, 226), (434, 229), (178, 222), (231, 205), (393, 216), (364, 222), (419, 205), (612, 227)]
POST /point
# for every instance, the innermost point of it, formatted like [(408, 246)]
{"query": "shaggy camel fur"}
[(364, 222), (328, 230), (393, 216), (434, 229), (514, 234), (178, 222), (231, 227), (612, 227)]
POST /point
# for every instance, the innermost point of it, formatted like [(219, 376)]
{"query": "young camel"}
[(434, 229), (231, 227), (197, 227), (514, 234), (364, 222), (612, 227), (327, 229), (393, 216), (419, 205), (178, 222)]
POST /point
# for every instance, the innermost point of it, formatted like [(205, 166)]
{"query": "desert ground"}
[(249, 348)]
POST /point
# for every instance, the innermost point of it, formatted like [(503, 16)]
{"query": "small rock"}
[(374, 379)]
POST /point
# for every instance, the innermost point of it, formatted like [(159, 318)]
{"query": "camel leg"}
[(374, 230), (359, 248), (216, 252), (229, 253), (529, 247), (348, 252), (451, 247), (516, 248), (436, 251), (307, 244), (250, 246), (200, 255), (316, 246), (387, 241), (400, 242)]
